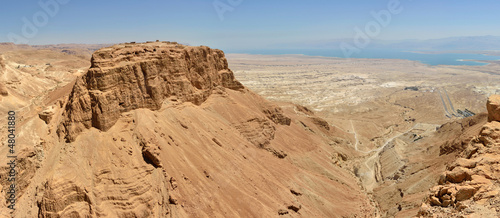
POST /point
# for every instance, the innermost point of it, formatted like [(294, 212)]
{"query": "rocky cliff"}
[(470, 187), (493, 106), (131, 76), (164, 130)]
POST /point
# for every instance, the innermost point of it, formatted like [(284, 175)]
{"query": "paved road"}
[(451, 105), (444, 104)]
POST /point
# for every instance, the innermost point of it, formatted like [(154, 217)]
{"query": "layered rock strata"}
[(131, 76)]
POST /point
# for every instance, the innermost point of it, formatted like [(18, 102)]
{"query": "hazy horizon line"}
[(311, 41)]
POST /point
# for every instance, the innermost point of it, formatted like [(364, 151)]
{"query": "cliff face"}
[(470, 187), (493, 107), (171, 133), (131, 76)]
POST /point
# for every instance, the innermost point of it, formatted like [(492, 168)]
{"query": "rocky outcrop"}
[(60, 195), (3, 90), (276, 115), (470, 186), (47, 115), (493, 107), (131, 76), (461, 132), (2, 63), (258, 131)]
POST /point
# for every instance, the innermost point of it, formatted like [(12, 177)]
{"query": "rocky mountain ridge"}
[(131, 76), (164, 130)]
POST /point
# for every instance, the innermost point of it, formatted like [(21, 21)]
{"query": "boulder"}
[(465, 192), (458, 174), (46, 115), (466, 163), (491, 130), (493, 106), (434, 201)]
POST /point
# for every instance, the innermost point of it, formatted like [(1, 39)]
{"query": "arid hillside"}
[(402, 117), (165, 130), (160, 129), (469, 187)]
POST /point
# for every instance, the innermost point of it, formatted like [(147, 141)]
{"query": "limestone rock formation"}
[(470, 186), (493, 107), (131, 76), (164, 130), (47, 114)]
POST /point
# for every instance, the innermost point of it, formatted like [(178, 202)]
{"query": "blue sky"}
[(249, 24)]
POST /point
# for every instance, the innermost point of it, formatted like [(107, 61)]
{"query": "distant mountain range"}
[(452, 43)]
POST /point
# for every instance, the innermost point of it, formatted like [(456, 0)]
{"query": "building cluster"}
[(466, 113)]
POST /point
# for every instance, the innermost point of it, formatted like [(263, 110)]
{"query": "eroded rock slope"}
[(164, 130), (470, 186), (131, 76)]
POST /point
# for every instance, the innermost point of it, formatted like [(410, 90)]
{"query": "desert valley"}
[(397, 114)]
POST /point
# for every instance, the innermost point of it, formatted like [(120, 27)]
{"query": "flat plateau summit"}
[(164, 130)]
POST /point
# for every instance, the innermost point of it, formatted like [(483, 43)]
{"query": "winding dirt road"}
[(372, 174)]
